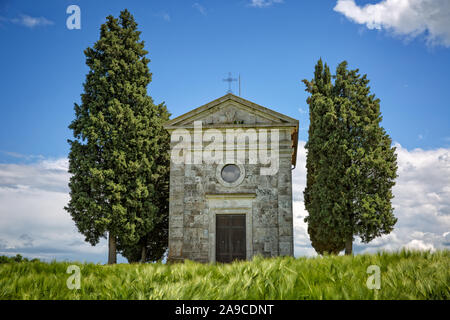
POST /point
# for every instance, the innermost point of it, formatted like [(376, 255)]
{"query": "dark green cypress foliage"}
[(119, 158), (322, 175), (351, 166), (153, 244)]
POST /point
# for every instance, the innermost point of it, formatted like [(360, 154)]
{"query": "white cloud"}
[(33, 221), (22, 156), (422, 203), (31, 22), (200, 8), (419, 245), (408, 18), (48, 175), (264, 3), (302, 244)]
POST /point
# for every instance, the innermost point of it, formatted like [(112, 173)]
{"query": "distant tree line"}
[(16, 259)]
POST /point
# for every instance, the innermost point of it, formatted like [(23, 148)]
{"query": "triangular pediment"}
[(231, 110)]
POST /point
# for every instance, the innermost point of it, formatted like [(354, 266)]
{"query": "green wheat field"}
[(404, 275)]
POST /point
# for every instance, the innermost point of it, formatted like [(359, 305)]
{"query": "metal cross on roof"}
[(230, 79)]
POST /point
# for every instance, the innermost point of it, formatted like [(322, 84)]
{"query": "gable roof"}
[(263, 117)]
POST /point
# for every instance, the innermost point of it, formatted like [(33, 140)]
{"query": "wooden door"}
[(230, 237)]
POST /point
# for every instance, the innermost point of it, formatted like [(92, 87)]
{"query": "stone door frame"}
[(237, 203)]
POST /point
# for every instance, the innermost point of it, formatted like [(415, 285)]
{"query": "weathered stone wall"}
[(190, 224)]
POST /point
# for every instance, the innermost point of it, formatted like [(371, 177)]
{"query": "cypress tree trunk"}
[(112, 254), (348, 246), (143, 253)]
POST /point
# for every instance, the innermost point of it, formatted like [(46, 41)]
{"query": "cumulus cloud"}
[(33, 221), (408, 18), (48, 175), (264, 3), (302, 244), (419, 245), (421, 203)]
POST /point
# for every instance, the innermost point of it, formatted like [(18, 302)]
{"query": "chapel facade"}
[(231, 182)]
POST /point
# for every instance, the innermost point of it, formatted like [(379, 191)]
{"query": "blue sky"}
[(273, 48), (272, 44)]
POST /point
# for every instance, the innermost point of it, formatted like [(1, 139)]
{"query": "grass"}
[(404, 275)]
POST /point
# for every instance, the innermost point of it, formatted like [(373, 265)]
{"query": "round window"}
[(230, 173)]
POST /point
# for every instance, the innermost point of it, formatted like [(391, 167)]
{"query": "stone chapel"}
[(231, 182)]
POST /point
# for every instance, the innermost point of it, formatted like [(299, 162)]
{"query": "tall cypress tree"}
[(153, 241), (119, 156), (351, 165), (322, 173)]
